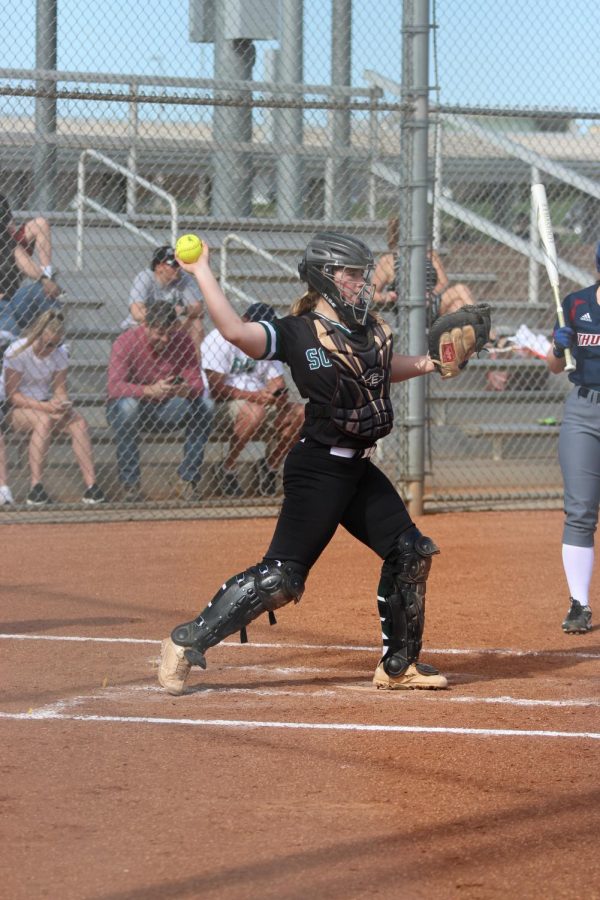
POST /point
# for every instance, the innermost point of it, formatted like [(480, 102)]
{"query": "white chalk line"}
[(350, 648), (305, 726), (114, 694)]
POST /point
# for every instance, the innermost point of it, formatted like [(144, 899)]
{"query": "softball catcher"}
[(342, 361)]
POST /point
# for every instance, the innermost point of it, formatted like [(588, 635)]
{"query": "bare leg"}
[(249, 419), (38, 231), (40, 425), (82, 448), (3, 469)]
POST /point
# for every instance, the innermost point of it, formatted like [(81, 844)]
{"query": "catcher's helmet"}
[(327, 251)]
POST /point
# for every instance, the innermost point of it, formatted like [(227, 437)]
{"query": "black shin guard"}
[(262, 588), (401, 601)]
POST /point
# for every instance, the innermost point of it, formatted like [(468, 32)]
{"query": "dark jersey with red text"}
[(582, 314)]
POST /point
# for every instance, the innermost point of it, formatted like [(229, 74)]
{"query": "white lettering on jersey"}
[(588, 340)]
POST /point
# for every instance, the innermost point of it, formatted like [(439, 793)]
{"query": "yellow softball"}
[(188, 248)]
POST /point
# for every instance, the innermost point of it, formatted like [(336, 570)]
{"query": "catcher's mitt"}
[(456, 336)]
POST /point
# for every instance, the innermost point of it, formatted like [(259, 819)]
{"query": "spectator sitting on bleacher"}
[(6, 497), (441, 296), (166, 282), (34, 381), (154, 384), (257, 401), (21, 302)]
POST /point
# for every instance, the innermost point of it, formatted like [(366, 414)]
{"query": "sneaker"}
[(37, 496), (578, 620), (418, 676), (6, 497), (174, 668), (267, 480), (229, 484), (132, 493), (93, 496), (187, 491)]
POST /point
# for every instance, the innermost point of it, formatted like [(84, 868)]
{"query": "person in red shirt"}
[(154, 384)]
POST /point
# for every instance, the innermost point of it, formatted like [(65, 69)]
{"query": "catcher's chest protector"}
[(361, 405)]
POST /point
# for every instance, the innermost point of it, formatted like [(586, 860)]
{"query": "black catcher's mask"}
[(328, 251)]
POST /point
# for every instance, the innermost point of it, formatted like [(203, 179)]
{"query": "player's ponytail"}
[(305, 303)]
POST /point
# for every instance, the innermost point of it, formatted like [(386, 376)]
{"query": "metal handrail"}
[(247, 245), (82, 201), (443, 203)]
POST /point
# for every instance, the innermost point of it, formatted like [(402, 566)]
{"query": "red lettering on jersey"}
[(588, 340), (576, 302)]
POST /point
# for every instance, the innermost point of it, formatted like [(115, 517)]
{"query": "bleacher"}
[(465, 417)]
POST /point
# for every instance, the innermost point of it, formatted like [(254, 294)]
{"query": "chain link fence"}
[(254, 125)]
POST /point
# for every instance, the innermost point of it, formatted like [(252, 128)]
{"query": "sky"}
[(486, 52)]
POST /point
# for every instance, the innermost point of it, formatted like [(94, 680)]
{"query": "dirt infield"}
[(283, 773)]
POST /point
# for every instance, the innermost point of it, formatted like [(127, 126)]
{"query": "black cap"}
[(166, 255), (260, 312)]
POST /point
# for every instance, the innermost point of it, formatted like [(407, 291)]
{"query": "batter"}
[(579, 445)]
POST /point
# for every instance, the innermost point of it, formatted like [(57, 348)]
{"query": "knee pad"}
[(278, 583), (401, 599), (262, 588), (410, 560)]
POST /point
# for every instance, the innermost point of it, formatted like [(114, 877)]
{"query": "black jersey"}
[(294, 340)]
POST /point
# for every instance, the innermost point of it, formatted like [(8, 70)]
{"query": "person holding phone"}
[(34, 383), (154, 384), (164, 281), (257, 402)]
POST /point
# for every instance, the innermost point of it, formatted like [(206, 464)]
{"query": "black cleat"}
[(578, 620)]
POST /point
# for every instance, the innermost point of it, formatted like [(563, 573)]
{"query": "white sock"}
[(5, 495), (578, 563), (47, 270)]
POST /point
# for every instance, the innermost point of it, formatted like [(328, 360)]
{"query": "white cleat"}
[(174, 668), (418, 676)]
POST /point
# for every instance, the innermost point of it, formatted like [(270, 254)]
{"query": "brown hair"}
[(161, 314), (305, 303), (51, 320)]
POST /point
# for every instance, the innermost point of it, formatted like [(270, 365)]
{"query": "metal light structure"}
[(44, 166), (233, 26)]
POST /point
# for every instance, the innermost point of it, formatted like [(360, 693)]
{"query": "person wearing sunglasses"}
[(34, 383), (166, 282)]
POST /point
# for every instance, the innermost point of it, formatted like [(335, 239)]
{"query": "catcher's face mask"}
[(353, 290), (340, 267)]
